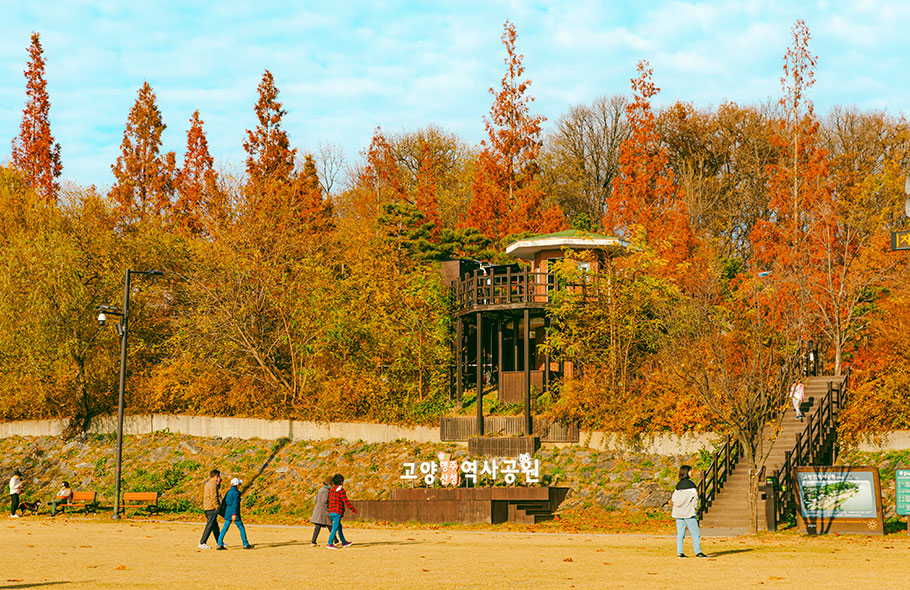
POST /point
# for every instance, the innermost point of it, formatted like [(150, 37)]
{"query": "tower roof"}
[(571, 238)]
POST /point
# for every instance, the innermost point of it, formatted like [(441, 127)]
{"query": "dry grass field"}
[(79, 552)]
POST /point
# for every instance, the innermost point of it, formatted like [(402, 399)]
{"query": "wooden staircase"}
[(807, 442)]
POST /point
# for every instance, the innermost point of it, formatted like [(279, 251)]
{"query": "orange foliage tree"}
[(644, 193), (270, 157), (199, 200), (314, 208), (825, 239), (507, 197), (144, 178), (35, 154), (426, 196)]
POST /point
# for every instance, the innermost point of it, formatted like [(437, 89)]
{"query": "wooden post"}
[(515, 344), (528, 297), (546, 373), (528, 424), (459, 349), (499, 355), (479, 428)]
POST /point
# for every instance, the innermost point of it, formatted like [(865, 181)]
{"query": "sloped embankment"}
[(282, 477)]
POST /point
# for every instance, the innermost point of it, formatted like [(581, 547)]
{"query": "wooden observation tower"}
[(501, 317)]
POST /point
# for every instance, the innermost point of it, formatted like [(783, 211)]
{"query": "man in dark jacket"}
[(211, 501), (320, 516), (232, 514)]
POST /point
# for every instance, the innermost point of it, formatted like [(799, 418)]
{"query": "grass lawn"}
[(95, 552)]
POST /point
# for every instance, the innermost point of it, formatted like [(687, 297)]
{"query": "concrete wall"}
[(659, 444), (898, 440), (212, 426), (32, 428)]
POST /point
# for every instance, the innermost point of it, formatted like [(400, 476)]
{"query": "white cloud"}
[(343, 68)]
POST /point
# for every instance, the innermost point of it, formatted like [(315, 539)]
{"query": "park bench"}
[(84, 500), (147, 500)]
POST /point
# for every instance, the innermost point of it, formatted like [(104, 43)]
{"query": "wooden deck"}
[(504, 289)]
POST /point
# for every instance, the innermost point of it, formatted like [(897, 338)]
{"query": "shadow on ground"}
[(32, 584)]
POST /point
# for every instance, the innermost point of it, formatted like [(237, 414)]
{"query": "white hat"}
[(236, 481)]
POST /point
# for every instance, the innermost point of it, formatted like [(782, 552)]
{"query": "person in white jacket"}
[(685, 511), (15, 486)]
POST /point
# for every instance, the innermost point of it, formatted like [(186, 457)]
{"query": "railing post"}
[(509, 284), (715, 465), (811, 441), (727, 458)]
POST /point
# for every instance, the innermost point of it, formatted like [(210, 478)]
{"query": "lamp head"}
[(102, 318)]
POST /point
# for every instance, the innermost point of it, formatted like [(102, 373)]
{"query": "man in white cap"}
[(232, 514)]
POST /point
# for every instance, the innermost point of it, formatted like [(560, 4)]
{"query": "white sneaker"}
[(14, 516), (203, 546)]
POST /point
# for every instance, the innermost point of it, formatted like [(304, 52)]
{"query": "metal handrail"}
[(821, 422), (717, 473)]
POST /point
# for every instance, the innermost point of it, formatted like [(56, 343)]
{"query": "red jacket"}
[(338, 500)]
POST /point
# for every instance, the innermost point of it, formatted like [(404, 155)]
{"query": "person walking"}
[(797, 396), (211, 502), (338, 499), (232, 514), (685, 511), (320, 516), (15, 486), (63, 497)]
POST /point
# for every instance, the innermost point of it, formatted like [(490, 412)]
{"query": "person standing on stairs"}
[(797, 396), (685, 511)]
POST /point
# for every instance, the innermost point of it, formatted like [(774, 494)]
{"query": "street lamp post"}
[(123, 331)]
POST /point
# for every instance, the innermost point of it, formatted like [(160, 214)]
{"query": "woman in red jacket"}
[(338, 499)]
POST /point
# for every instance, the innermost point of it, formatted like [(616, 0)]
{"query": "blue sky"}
[(344, 68)]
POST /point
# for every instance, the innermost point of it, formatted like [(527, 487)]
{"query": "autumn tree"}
[(200, 203), (314, 206), (581, 156), (426, 197), (35, 154), (431, 156), (725, 346), (613, 331), (720, 161), (824, 243), (144, 178), (644, 193), (270, 158), (380, 180), (507, 197)]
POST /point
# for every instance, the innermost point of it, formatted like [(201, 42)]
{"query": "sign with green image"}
[(902, 490)]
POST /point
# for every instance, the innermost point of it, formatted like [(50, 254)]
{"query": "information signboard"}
[(839, 499), (902, 491)]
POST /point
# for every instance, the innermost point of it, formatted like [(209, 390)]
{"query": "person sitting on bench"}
[(64, 496)]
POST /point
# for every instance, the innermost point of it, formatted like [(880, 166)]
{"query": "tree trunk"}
[(753, 500)]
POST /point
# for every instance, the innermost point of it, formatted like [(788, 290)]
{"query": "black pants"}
[(317, 529), (211, 526), (14, 503)]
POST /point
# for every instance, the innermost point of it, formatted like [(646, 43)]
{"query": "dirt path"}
[(74, 552)]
